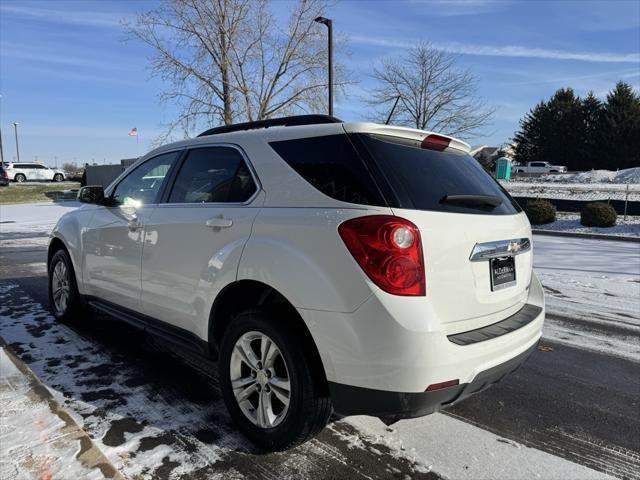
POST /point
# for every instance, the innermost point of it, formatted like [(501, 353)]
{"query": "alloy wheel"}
[(60, 287), (260, 379)]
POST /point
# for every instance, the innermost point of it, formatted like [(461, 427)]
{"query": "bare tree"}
[(433, 94), (229, 60)]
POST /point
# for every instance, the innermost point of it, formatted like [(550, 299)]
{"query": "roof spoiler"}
[(292, 121)]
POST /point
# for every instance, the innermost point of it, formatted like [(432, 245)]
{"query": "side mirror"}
[(91, 194)]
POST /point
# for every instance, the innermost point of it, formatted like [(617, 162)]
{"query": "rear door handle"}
[(219, 222)]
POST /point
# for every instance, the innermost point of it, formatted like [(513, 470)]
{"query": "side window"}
[(214, 174), (142, 185), (332, 165)]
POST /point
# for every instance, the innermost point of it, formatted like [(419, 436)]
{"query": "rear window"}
[(332, 165), (421, 179)]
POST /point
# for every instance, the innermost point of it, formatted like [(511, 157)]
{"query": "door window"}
[(142, 186), (213, 175)]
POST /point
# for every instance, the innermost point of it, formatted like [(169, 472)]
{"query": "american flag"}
[(133, 132)]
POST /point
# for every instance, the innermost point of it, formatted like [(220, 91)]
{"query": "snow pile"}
[(570, 222), (629, 175)]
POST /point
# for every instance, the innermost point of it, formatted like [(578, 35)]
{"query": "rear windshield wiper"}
[(477, 201)]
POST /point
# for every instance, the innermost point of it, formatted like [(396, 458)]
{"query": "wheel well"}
[(246, 294), (55, 245)]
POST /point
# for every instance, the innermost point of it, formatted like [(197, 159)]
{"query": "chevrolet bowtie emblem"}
[(514, 247)]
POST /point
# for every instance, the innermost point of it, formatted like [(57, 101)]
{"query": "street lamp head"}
[(324, 20), (16, 123)]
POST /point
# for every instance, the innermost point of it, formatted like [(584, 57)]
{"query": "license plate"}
[(503, 272)]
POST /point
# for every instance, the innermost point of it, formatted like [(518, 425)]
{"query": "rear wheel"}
[(58, 177), (20, 178), (269, 383), (63, 291)]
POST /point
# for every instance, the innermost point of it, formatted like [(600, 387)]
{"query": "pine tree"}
[(528, 140), (592, 149), (621, 127), (553, 132)]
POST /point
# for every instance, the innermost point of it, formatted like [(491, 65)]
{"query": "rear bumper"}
[(350, 400)]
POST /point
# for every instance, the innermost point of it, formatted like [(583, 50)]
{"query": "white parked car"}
[(23, 171), (338, 267), (539, 167)]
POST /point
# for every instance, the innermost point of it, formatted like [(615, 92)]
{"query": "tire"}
[(62, 279), (58, 177), (309, 403), (20, 178)]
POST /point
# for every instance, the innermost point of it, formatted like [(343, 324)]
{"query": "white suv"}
[(337, 267), (21, 172)]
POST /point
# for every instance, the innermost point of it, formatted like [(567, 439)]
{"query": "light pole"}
[(1, 150), (329, 23), (15, 129)]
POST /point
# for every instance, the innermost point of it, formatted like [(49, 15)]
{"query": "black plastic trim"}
[(176, 335), (522, 317), (273, 122), (350, 400)]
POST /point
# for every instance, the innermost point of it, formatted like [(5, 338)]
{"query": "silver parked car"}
[(21, 172)]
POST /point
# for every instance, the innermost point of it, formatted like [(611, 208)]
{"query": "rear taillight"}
[(441, 385), (4, 174), (389, 251), (435, 142)]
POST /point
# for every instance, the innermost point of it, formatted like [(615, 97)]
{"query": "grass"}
[(42, 192)]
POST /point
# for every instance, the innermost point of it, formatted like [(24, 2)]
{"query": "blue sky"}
[(76, 86)]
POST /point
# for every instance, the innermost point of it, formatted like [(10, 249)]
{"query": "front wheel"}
[(269, 383), (20, 178), (58, 177), (63, 291)]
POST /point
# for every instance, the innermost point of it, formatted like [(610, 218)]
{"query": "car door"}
[(113, 241), (194, 240)]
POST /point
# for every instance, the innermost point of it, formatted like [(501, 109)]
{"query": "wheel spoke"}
[(281, 389), (261, 410), (246, 393), (246, 353), (242, 382)]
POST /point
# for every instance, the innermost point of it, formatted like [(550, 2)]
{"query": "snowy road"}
[(571, 412)]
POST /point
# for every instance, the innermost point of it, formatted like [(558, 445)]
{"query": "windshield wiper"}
[(477, 201)]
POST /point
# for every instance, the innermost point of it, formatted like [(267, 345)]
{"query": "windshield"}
[(422, 179)]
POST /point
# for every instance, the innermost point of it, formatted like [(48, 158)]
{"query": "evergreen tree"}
[(553, 132), (592, 151), (528, 140), (621, 127)]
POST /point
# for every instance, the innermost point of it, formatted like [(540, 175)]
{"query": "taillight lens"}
[(435, 142), (389, 251)]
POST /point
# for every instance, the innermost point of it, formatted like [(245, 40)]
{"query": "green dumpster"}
[(503, 169)]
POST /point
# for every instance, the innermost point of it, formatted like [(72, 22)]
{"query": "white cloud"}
[(78, 17), (506, 51), (456, 8)]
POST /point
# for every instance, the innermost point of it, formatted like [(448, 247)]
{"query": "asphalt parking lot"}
[(572, 411)]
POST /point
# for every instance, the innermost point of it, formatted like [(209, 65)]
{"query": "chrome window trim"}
[(247, 162), (499, 248)]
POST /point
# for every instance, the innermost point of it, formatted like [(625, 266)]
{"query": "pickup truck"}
[(539, 167)]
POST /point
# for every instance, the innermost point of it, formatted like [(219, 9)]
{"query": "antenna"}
[(392, 110)]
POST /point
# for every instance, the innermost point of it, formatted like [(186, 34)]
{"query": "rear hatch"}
[(457, 207)]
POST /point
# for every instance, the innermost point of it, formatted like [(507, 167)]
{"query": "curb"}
[(89, 455), (593, 236)]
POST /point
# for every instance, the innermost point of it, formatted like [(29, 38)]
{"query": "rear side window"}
[(333, 166), (422, 179), (213, 175)]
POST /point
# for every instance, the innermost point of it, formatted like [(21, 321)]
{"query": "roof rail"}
[(273, 122)]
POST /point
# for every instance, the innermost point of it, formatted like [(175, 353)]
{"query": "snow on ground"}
[(34, 441), (600, 292), (628, 175), (570, 222), (457, 449), (33, 217), (572, 191)]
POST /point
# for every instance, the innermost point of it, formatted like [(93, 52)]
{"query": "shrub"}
[(598, 214), (540, 211)]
